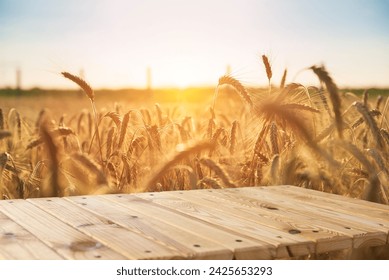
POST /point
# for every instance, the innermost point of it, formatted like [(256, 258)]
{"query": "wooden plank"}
[(367, 210), (62, 238), (327, 236), (131, 244), (242, 223), (374, 216), (287, 245), (242, 246), (374, 235), (348, 200), (194, 246), (359, 214), (16, 243)]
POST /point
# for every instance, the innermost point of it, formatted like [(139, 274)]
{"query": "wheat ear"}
[(92, 166), (90, 93), (115, 117), (228, 80), (274, 138), (283, 80), (234, 128), (150, 185), (219, 171), (47, 138), (83, 84), (371, 123), (323, 75), (123, 129), (210, 182), (269, 72), (379, 101)]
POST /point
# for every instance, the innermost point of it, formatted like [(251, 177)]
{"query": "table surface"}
[(274, 222)]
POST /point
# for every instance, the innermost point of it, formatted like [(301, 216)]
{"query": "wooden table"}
[(245, 223)]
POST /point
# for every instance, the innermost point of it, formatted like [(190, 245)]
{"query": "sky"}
[(190, 43)]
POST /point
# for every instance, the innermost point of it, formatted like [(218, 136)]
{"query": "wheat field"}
[(319, 138)]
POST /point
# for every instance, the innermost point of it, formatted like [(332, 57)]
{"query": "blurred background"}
[(171, 43)]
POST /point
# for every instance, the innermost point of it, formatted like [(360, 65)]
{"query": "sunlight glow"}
[(189, 43)]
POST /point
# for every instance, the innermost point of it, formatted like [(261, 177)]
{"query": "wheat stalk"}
[(385, 135), (92, 166), (1, 119), (4, 157), (358, 154), (233, 136), (219, 171), (90, 93), (274, 170), (365, 98), (358, 122), (115, 117), (123, 129), (371, 123), (48, 139), (258, 173), (113, 173), (228, 80), (323, 75), (12, 112), (146, 117), (110, 142), (150, 184), (135, 144), (282, 84), (159, 114), (379, 101), (154, 137), (210, 182), (181, 177), (126, 172), (211, 125), (375, 154), (90, 124), (183, 133), (61, 131), (261, 139), (5, 134)]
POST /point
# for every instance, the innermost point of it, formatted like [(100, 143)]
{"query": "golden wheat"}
[(83, 84), (290, 136), (161, 171), (228, 80), (323, 75), (219, 171), (269, 72)]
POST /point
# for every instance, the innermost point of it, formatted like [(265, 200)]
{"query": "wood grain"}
[(18, 244), (129, 243), (286, 245), (371, 233), (195, 246), (276, 222), (242, 246), (61, 237)]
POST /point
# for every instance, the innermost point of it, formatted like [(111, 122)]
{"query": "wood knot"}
[(8, 234), (270, 207), (84, 245)]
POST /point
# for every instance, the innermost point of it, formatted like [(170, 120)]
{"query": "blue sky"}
[(191, 42)]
